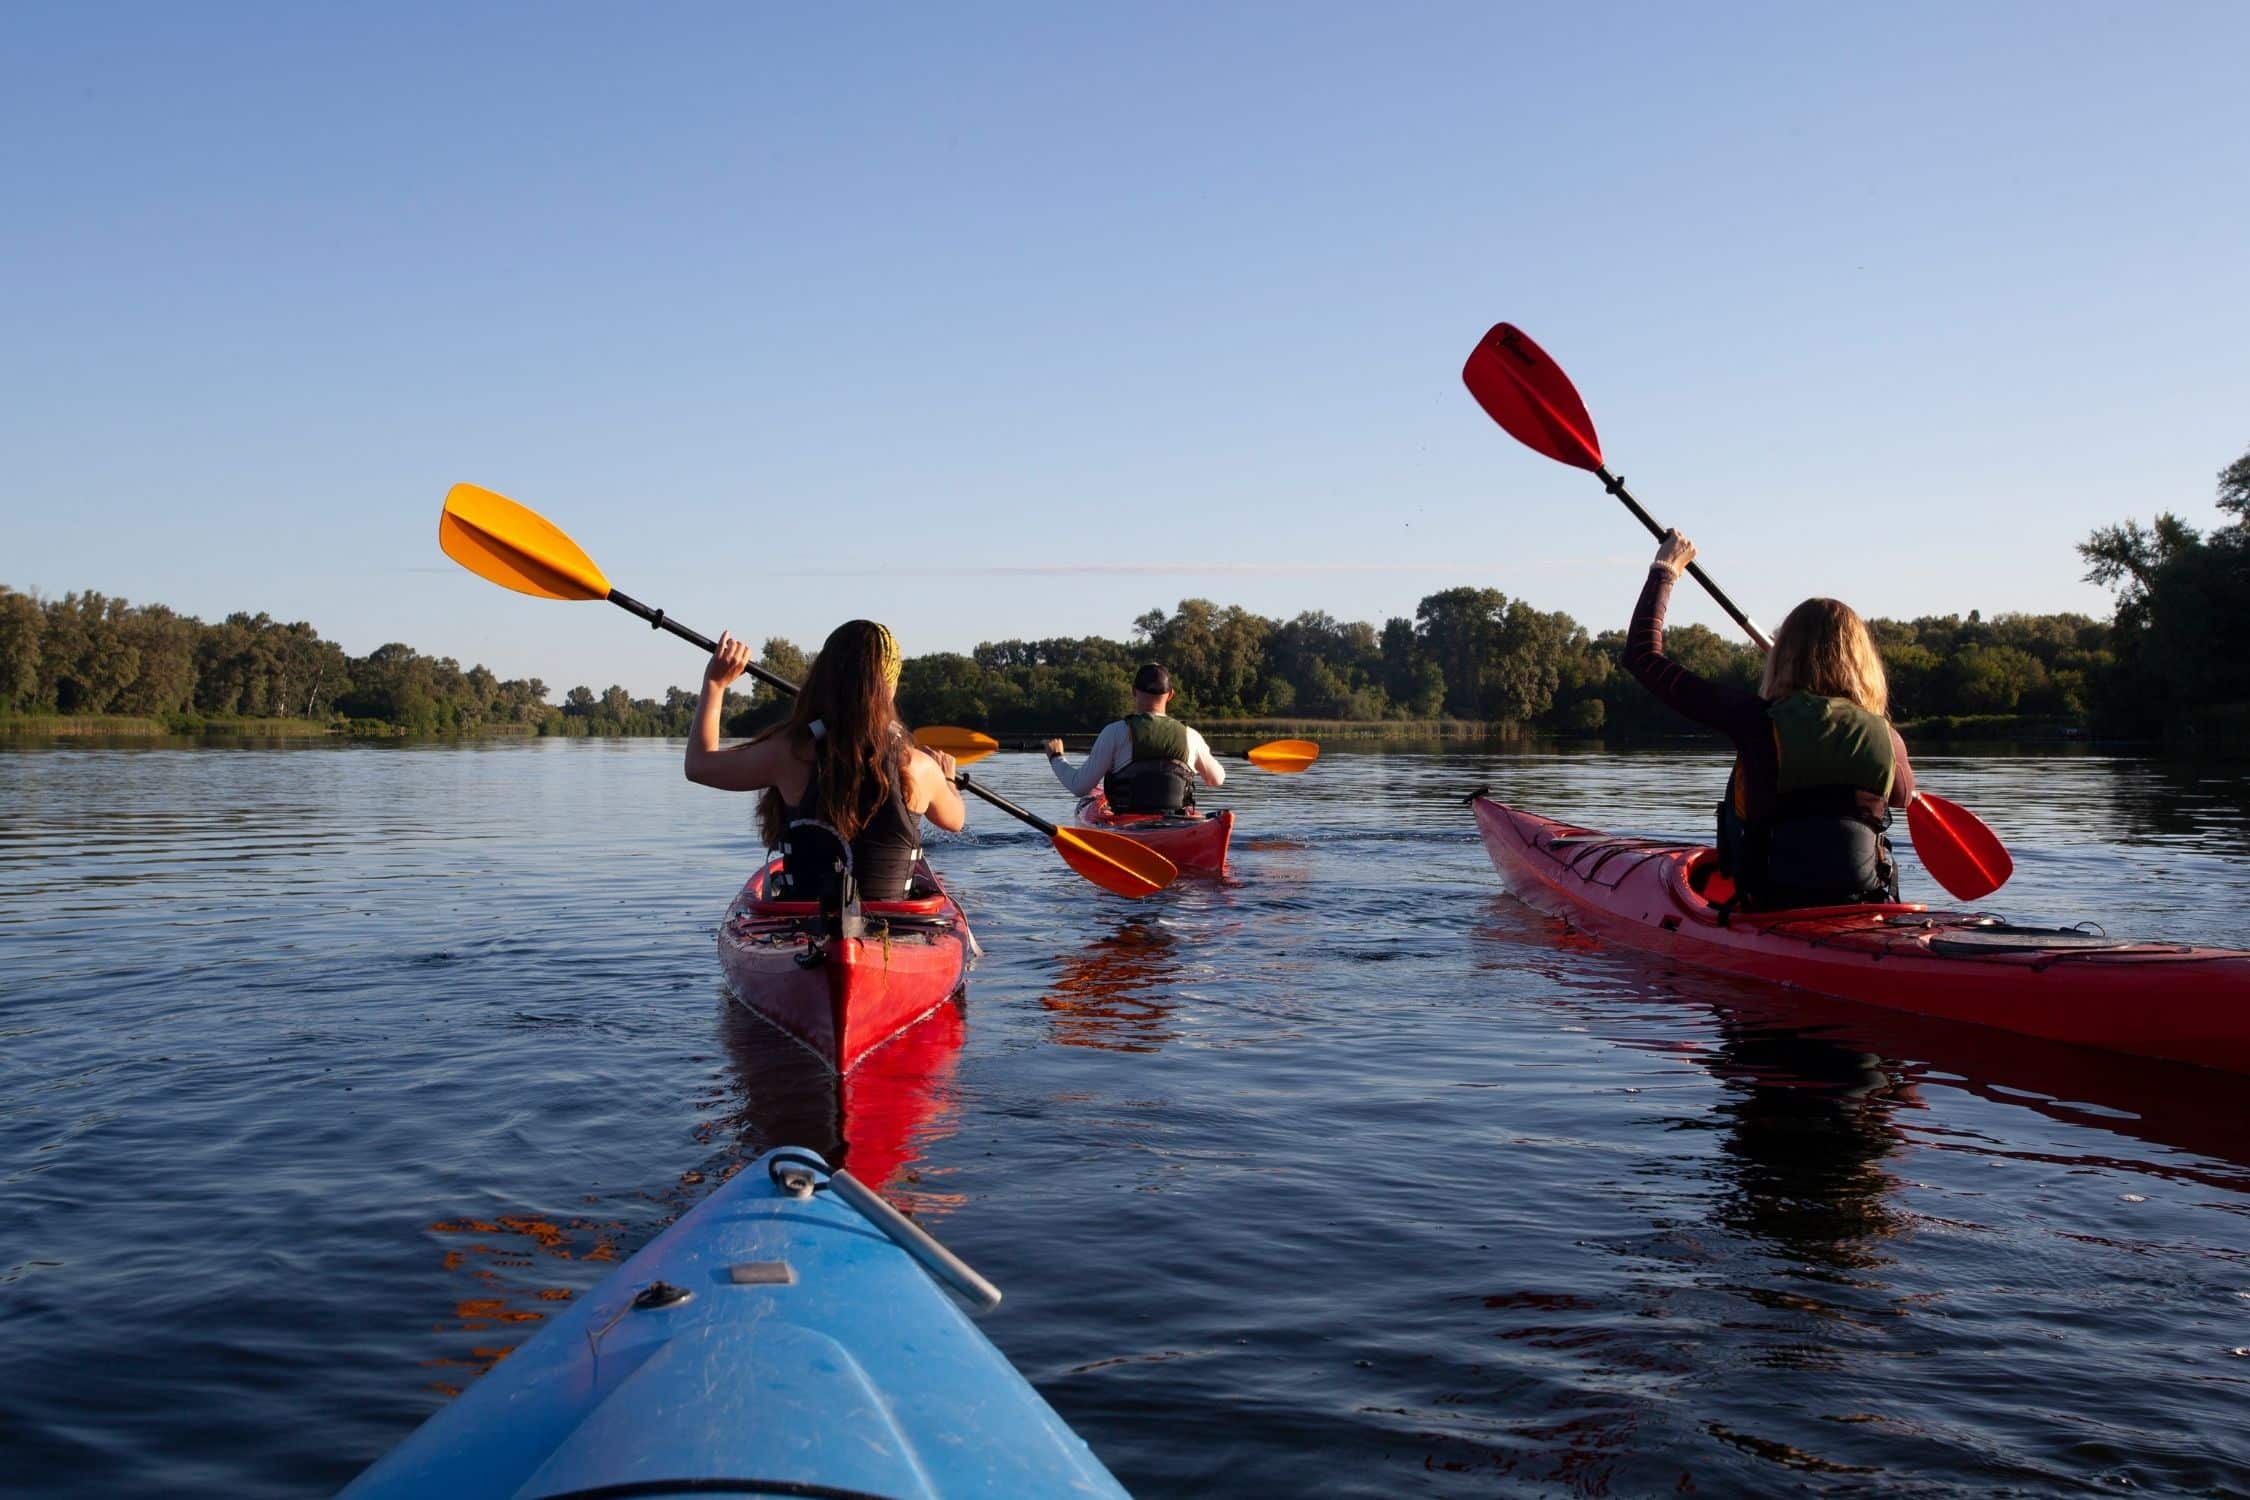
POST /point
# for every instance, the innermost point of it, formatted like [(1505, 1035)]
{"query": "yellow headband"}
[(891, 660)]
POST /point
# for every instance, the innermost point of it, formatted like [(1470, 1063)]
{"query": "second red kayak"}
[(2165, 1000), (843, 997), (1189, 840)]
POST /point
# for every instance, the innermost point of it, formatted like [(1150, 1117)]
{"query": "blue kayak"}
[(780, 1339)]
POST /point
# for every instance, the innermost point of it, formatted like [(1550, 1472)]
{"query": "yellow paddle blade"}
[(966, 746), (1114, 862), (1286, 756), (515, 547)]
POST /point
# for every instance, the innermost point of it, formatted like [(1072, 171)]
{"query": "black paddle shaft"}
[(961, 780), (658, 620), (1616, 487)]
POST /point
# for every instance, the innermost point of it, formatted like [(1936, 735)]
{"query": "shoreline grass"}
[(144, 726)]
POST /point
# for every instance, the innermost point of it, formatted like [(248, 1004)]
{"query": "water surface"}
[(326, 1073)]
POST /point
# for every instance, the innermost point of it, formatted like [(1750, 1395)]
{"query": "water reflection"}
[(1821, 1083), (2181, 800), (508, 1260), (1808, 1126), (1115, 993), (878, 1119)]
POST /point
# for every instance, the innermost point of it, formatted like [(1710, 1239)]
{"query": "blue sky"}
[(1021, 320)]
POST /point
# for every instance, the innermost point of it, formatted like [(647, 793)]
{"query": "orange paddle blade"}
[(1957, 849), (515, 547), (966, 746), (1286, 756), (1114, 862), (1528, 394)]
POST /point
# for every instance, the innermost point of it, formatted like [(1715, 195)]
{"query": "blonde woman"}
[(1817, 767)]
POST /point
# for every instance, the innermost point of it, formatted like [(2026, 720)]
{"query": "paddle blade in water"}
[(1285, 756), (1528, 394), (515, 547), (1958, 850), (966, 746), (1114, 862)]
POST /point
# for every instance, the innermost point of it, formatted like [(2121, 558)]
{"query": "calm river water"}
[(326, 1073)]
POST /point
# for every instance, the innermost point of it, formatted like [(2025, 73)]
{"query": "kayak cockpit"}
[(1696, 884)]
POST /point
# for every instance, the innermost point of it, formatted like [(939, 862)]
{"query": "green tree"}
[(22, 624), (1458, 629), (2183, 606)]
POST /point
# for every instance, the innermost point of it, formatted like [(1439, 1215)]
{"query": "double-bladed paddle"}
[(1528, 394), (1287, 757), (517, 548), (964, 745)]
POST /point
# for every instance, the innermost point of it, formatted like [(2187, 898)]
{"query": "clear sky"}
[(1019, 320)]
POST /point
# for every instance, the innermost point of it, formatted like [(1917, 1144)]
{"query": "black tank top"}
[(881, 859)]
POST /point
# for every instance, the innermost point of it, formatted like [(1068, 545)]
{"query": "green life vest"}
[(1158, 778), (1823, 843), (1156, 737), (1826, 742)]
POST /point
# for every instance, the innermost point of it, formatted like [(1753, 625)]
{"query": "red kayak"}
[(1189, 840), (843, 997), (2157, 999)]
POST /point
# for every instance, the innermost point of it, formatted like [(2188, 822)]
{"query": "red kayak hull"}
[(862, 991), (1193, 841), (2156, 999)]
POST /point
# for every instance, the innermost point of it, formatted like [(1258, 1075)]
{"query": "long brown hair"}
[(1824, 648), (859, 756)]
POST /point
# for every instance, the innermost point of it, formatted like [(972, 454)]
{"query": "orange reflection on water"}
[(1114, 994), (516, 1243)]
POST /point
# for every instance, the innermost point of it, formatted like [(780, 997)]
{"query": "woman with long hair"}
[(1817, 767), (845, 788)]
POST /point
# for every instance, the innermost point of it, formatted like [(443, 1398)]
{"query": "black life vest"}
[(876, 865), (1158, 778), (1824, 843)]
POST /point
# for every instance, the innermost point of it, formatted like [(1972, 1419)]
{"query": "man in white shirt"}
[(1146, 761)]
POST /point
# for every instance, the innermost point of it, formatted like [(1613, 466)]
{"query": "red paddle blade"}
[(1528, 394), (1960, 853)]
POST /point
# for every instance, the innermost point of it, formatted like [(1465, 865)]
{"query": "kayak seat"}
[(1707, 880), (1186, 817), (924, 897)]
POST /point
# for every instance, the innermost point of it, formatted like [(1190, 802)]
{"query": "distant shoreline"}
[(196, 726), (1984, 730)]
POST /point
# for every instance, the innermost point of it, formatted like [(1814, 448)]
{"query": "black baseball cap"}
[(1152, 678)]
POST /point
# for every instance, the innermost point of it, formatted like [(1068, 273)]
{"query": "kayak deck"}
[(2169, 1000), (769, 1343), (1190, 840), (844, 997)]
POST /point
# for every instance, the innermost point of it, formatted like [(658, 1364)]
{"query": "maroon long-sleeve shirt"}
[(1737, 713)]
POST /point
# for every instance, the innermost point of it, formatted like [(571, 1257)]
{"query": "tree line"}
[(2183, 616), (88, 653), (1468, 654), (1474, 654)]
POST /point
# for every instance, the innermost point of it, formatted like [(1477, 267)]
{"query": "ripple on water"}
[(327, 1074)]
